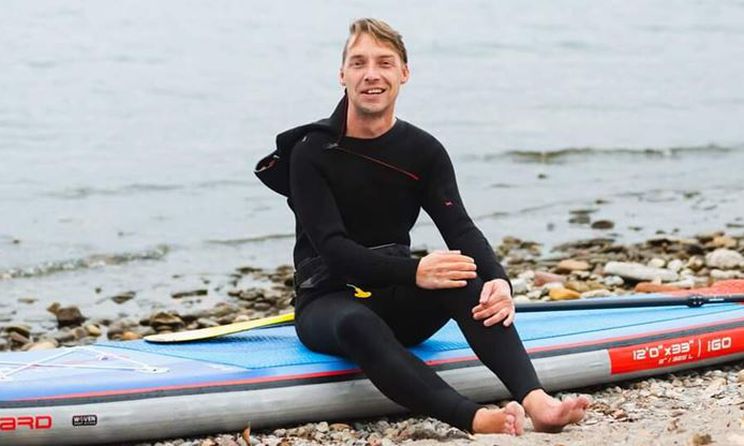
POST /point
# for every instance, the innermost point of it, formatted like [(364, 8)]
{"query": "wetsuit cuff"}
[(408, 271), (500, 273)]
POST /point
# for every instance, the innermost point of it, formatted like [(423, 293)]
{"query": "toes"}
[(517, 411), (509, 425)]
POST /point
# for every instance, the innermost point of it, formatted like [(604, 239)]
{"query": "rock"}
[(250, 269), (46, 344), (583, 287), (339, 427), (603, 224), (740, 377), (695, 263), (69, 316), (569, 265), (675, 265), (613, 281), (579, 219), (130, 336), (21, 329), (93, 330), (26, 300), (651, 287), (638, 272), (79, 332), (182, 294), (699, 439), (656, 263), (563, 294), (63, 336), (724, 259), (718, 274), (123, 297), (18, 339), (166, 321), (541, 278), (519, 286), (685, 283), (596, 293), (724, 241)]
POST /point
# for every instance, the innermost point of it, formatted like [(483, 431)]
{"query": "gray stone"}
[(519, 286), (638, 272), (613, 281), (724, 259), (675, 265), (725, 275)]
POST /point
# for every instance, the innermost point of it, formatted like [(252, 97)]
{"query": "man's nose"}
[(372, 73)]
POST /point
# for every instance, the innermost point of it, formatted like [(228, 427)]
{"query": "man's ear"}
[(341, 76), (406, 74)]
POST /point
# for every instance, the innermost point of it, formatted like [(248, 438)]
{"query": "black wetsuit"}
[(352, 194)]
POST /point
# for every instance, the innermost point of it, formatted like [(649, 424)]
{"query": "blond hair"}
[(380, 31)]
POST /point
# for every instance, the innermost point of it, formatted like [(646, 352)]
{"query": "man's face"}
[(372, 73)]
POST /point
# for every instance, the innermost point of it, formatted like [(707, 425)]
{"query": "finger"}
[(449, 283), (456, 266), (489, 310), (486, 292), (460, 275), (509, 319), (496, 318)]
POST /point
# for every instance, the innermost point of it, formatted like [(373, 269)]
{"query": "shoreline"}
[(694, 407)]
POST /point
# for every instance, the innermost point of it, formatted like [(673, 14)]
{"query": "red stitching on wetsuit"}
[(383, 163)]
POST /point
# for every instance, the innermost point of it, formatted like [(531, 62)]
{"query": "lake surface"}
[(129, 130)]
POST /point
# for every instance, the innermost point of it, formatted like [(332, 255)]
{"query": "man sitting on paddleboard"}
[(356, 183)]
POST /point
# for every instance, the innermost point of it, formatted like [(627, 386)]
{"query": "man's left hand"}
[(495, 304)]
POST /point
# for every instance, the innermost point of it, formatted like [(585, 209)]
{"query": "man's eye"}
[(387, 64), (356, 64)]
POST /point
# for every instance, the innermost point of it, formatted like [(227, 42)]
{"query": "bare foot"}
[(509, 420), (551, 415)]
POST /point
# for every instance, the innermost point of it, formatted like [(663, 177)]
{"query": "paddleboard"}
[(134, 391)]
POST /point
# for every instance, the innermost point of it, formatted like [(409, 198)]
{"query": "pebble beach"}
[(695, 407)]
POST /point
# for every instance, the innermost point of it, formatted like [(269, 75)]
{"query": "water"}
[(128, 131)]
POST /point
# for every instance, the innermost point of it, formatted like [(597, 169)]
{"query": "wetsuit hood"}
[(273, 169)]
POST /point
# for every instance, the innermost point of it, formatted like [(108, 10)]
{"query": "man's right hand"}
[(445, 269)]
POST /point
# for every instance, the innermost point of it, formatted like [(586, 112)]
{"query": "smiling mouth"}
[(373, 91)]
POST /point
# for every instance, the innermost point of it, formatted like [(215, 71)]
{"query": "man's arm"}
[(443, 203)]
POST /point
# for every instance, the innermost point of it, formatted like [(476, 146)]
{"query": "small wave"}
[(574, 153), (220, 183), (243, 241), (85, 192), (94, 261), (77, 193)]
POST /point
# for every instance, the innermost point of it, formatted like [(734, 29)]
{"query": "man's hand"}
[(496, 304), (445, 269)]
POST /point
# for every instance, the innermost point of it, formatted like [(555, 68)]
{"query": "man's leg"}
[(337, 323), (498, 347), (502, 351)]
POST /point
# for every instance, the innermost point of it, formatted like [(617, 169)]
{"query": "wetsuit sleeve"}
[(443, 203), (318, 214)]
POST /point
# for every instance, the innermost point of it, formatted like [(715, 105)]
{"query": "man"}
[(356, 183)]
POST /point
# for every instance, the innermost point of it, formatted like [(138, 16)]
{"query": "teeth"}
[(374, 91)]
